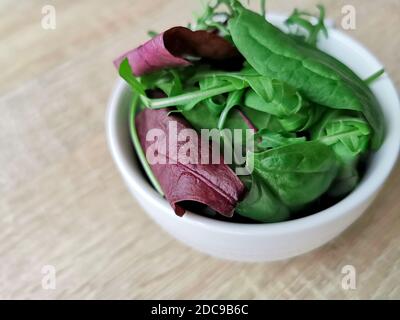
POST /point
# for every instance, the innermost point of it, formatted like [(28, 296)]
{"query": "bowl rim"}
[(364, 191)]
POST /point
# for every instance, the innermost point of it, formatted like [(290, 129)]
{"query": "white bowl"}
[(265, 242)]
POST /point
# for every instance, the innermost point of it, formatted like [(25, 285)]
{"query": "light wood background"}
[(63, 203)]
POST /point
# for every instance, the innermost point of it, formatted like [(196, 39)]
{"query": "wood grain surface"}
[(63, 203)]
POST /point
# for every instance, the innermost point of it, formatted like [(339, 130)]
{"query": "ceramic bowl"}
[(265, 242)]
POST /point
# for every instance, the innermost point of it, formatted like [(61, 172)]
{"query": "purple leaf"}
[(170, 48), (214, 185)]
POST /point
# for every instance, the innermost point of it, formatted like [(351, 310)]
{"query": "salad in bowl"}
[(252, 131)]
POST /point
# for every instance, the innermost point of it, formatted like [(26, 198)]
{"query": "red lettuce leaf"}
[(214, 185), (169, 49)]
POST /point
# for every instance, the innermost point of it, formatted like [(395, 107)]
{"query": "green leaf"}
[(298, 173), (319, 77), (267, 95), (174, 86), (126, 73), (261, 204), (349, 136), (302, 20), (262, 87), (168, 80), (213, 19), (281, 101), (346, 180), (294, 123), (152, 33), (216, 104)]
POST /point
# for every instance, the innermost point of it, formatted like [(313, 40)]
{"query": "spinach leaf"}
[(319, 77), (261, 204), (346, 180), (298, 173)]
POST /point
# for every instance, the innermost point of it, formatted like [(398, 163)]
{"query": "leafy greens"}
[(314, 119)]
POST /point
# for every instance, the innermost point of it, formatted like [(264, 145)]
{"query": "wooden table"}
[(63, 203)]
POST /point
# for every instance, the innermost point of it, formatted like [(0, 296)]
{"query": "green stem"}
[(329, 140), (152, 33), (212, 73), (187, 97), (223, 117), (263, 8), (374, 77), (136, 143), (233, 100)]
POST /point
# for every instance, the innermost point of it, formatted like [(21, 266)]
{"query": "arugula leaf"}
[(169, 81), (302, 20), (173, 87), (265, 139), (186, 99), (281, 101), (212, 19), (349, 136), (152, 33), (126, 73), (267, 95)]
